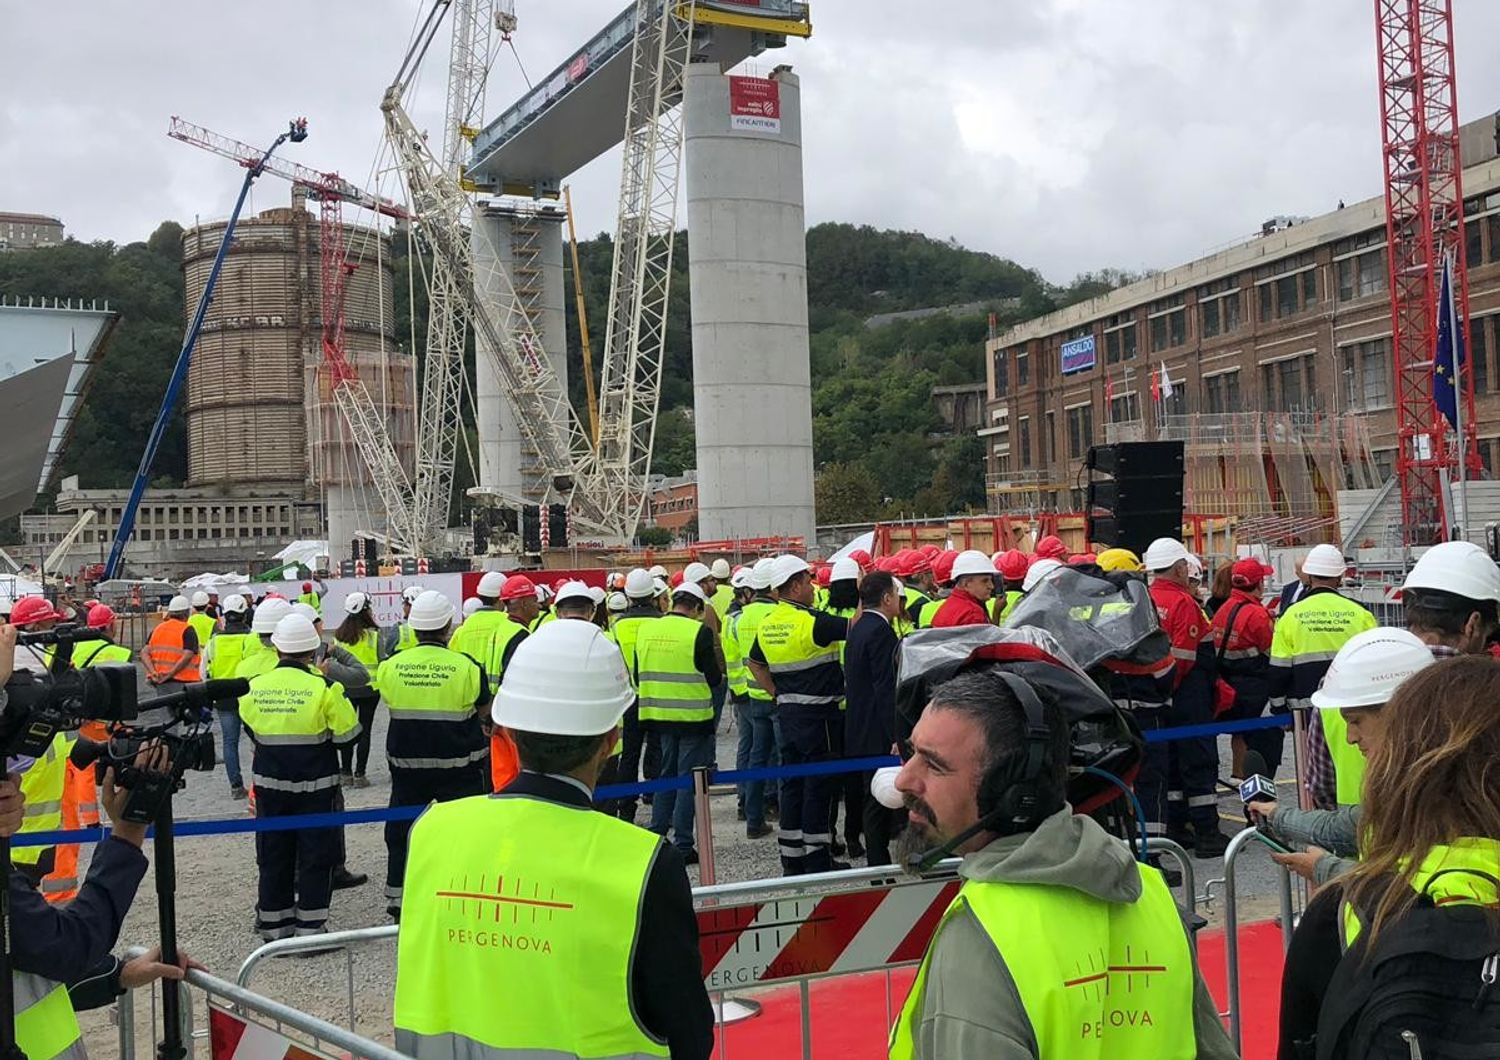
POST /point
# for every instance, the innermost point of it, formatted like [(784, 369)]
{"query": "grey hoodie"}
[(970, 1007)]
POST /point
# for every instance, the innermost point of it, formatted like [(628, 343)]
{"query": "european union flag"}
[(1450, 357)]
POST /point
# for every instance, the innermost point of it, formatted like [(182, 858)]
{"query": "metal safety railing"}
[(1233, 1012), (237, 1002)]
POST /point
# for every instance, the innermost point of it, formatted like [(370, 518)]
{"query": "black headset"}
[(1012, 795)]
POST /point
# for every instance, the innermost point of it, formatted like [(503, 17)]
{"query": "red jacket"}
[(1252, 626), (1186, 625), (960, 609)]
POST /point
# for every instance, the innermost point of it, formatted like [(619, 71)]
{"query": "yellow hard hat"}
[(1119, 559)]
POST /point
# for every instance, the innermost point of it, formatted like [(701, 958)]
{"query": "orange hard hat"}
[(518, 587), (1051, 547), (100, 616), (1013, 565), (31, 609)]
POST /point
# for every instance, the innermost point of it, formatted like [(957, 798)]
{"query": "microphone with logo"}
[(1257, 787)]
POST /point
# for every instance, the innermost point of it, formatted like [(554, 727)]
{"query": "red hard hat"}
[(307, 587), (1248, 573), (825, 575), (675, 580), (518, 587), (942, 567), (930, 551), (1080, 559), (887, 564), (1013, 565), (862, 557), (31, 609), (916, 563), (100, 616), (1051, 547)]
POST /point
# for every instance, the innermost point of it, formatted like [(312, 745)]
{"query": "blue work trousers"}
[(681, 753)]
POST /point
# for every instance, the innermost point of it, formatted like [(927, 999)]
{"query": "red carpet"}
[(852, 1014)]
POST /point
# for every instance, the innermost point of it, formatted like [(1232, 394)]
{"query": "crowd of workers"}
[(539, 694)]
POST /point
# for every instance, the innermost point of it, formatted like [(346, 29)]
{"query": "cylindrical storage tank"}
[(245, 408), (527, 244), (747, 255)]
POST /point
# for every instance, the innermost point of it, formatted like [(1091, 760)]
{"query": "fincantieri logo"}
[(509, 913)]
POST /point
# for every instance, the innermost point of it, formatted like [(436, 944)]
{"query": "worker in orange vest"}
[(171, 653)]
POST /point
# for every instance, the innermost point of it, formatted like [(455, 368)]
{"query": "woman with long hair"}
[(360, 634), (1430, 828)]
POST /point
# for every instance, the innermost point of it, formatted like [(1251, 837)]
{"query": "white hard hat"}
[(471, 606), (432, 610), (740, 579), (786, 568), (720, 569), (1325, 561), (1369, 667), (659, 571), (1164, 553), (1458, 567), (543, 593), (972, 561), (617, 602), (639, 584), (844, 570), (268, 614), (658, 586), (411, 592), (235, 604), (1195, 566), (200, 599), (1037, 571), (696, 572), (692, 589), (596, 594), (574, 591), (490, 584), (355, 602), (178, 605), (761, 573), (567, 679), (295, 635), (307, 611)]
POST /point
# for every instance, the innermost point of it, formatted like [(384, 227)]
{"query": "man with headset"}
[(1058, 943)]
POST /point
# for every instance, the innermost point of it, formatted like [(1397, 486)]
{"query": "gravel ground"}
[(216, 899)]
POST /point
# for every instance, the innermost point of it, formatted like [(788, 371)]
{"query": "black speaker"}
[(531, 528), (557, 526), (1143, 499)]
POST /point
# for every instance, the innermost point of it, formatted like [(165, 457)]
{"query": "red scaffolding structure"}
[(1424, 228)]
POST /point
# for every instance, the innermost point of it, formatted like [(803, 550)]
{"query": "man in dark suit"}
[(1292, 591), (870, 691)]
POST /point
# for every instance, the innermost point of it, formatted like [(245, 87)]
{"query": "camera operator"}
[(51, 946)]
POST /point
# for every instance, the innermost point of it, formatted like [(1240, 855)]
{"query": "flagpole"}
[(1460, 348)]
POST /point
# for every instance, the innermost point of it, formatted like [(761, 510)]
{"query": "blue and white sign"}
[(1078, 355)]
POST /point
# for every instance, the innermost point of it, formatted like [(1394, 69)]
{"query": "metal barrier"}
[(236, 1002), (1232, 928)]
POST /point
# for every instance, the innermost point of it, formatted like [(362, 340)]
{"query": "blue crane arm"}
[(296, 132)]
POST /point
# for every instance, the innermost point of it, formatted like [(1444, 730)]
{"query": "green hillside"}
[(872, 413)]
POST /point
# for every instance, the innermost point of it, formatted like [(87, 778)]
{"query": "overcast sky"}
[(1065, 134)]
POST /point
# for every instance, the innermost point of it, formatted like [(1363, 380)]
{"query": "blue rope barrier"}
[(378, 815)]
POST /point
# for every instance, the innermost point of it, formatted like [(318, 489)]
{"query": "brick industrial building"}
[(1278, 354)]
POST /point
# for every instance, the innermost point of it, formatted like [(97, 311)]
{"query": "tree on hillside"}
[(846, 493)]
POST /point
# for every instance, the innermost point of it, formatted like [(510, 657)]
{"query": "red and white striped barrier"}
[(851, 931), (234, 1037)]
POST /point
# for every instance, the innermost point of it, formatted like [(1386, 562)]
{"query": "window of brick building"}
[(1479, 352), (1362, 275), (1221, 393), (1080, 430), (1367, 374), (1219, 307), (1167, 319), (1290, 385), (1119, 338), (1286, 287), (1025, 441), (1124, 408), (1002, 380), (1023, 368)]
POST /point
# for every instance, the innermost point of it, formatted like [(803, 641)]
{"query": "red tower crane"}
[(1424, 229)]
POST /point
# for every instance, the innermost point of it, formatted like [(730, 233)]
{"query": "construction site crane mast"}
[(1424, 230)]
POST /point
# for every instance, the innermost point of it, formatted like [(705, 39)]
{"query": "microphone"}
[(203, 693), (1257, 787), (883, 787)]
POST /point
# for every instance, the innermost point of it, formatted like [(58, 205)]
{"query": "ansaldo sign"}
[(755, 104), (1078, 355)]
